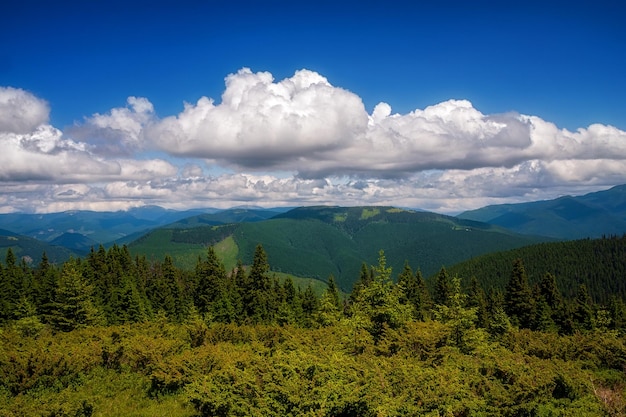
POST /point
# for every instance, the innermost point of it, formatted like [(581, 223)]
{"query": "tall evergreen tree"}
[(477, 299), (583, 310), (460, 318), (333, 292), (45, 279), (211, 283), (366, 276), (443, 288), (518, 297), (72, 305), (549, 291), (330, 308), (257, 296), (310, 306), (7, 295), (379, 304), (11, 286)]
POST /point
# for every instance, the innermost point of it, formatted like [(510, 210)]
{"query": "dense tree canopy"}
[(246, 342)]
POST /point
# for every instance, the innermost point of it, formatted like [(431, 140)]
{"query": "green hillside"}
[(30, 249), (315, 242), (591, 215), (600, 264)]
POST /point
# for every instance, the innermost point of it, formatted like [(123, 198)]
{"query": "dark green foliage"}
[(315, 242), (72, 305), (600, 264), (583, 310), (212, 292), (443, 288), (378, 305), (415, 291), (519, 302), (263, 346), (477, 299)]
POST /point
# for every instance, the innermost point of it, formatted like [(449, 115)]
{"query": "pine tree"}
[(366, 276), (333, 292), (499, 323), (477, 299), (457, 316), (210, 280), (443, 287), (518, 297), (310, 306), (330, 309), (379, 304), (11, 283), (422, 310), (583, 311), (257, 295), (7, 294), (72, 305), (549, 291)]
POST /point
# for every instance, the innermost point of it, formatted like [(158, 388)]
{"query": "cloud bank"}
[(295, 141)]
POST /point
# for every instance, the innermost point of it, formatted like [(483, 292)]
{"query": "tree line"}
[(113, 334), (110, 287)]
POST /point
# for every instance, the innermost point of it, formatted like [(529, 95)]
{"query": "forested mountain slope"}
[(318, 241), (599, 264), (591, 215), (31, 249), (98, 227)]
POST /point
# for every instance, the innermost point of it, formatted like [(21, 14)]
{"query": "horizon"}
[(107, 106), (288, 208)]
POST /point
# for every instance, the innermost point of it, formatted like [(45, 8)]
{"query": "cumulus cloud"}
[(21, 111), (447, 157), (118, 132), (34, 151), (305, 125), (261, 123)]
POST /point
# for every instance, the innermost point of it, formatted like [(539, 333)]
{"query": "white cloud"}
[(21, 111), (262, 124), (448, 157), (119, 132)]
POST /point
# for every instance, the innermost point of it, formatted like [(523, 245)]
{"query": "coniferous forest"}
[(115, 335)]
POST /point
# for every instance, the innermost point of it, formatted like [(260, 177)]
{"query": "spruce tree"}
[(330, 309), (211, 282), (583, 310), (422, 310), (72, 305), (477, 299), (443, 288), (518, 297), (379, 305), (257, 297)]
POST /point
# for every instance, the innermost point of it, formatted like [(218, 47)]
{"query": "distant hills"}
[(95, 227), (591, 215), (31, 249), (315, 242)]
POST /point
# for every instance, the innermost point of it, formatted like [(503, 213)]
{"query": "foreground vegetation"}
[(194, 369), (112, 335)]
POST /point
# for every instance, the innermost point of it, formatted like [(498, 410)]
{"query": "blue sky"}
[(482, 103)]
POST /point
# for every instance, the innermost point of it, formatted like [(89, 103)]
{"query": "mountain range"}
[(317, 241), (565, 218)]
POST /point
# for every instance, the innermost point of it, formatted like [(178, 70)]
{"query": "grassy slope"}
[(315, 242)]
